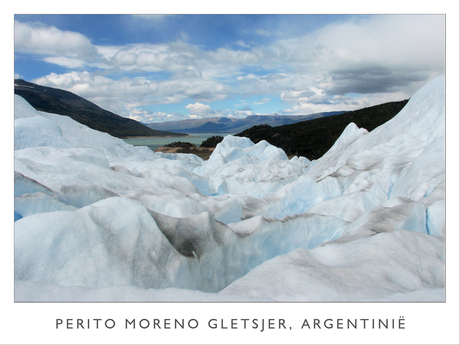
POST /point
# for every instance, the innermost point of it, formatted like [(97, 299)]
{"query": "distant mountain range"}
[(232, 125), (62, 102)]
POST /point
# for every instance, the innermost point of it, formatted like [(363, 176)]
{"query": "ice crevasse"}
[(98, 219)]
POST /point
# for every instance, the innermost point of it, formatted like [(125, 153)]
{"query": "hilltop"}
[(57, 101), (313, 138)]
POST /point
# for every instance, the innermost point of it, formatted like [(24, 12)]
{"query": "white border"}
[(426, 323)]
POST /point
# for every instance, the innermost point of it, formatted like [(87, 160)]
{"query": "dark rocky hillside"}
[(181, 144), (313, 138), (62, 102), (212, 141)]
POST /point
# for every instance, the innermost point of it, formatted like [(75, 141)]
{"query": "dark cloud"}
[(369, 79)]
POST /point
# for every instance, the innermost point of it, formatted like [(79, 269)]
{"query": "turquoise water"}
[(154, 143)]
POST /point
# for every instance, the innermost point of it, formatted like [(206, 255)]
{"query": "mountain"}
[(231, 125), (313, 138), (56, 101)]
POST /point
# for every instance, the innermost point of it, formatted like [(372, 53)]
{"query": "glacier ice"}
[(98, 219), (349, 271)]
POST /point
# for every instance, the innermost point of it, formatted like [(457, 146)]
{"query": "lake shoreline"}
[(157, 137), (156, 142), (202, 152)]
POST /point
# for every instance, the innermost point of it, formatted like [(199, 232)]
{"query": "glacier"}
[(97, 219)]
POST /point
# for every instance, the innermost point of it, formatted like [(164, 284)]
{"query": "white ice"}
[(98, 219)]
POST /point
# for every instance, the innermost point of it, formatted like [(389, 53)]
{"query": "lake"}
[(155, 142)]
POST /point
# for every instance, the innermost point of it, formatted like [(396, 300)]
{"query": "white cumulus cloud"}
[(200, 109), (36, 38)]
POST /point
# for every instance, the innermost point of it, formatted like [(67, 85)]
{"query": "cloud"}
[(262, 101), (239, 57), (184, 36), (262, 32), (310, 95), (36, 38), (146, 116), (297, 95), (149, 57), (200, 109), (65, 61), (368, 79), (270, 83), (241, 113), (242, 44), (370, 56), (360, 51)]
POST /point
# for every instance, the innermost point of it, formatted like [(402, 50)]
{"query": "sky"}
[(155, 68)]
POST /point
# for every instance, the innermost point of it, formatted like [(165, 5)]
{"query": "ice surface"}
[(349, 272), (98, 219)]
